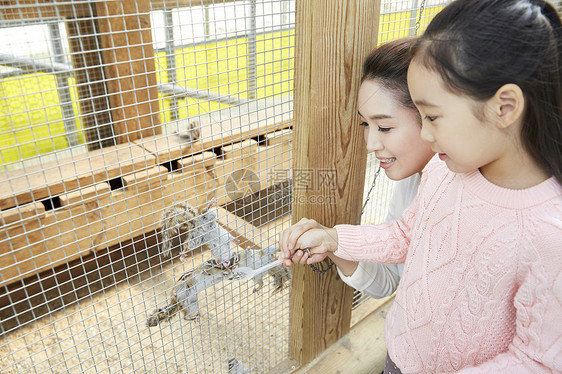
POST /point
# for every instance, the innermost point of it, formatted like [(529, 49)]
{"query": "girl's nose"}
[(372, 139), (426, 134)]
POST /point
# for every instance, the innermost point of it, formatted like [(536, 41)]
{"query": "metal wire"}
[(113, 113)]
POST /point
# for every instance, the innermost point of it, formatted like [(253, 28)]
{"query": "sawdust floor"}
[(94, 320), (104, 330)]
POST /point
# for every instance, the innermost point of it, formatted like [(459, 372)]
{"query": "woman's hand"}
[(308, 242)]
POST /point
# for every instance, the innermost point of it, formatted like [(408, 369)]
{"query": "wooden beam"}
[(42, 9), (45, 181), (48, 9), (332, 39), (168, 147), (130, 73), (83, 39), (362, 350), (171, 4)]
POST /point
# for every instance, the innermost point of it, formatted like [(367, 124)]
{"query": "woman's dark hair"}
[(477, 46), (388, 64)]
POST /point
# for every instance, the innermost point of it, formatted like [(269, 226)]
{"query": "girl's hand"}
[(308, 242)]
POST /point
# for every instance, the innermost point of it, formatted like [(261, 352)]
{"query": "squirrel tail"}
[(163, 314)]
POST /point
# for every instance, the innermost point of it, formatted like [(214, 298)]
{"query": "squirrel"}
[(255, 258), (185, 227), (184, 295)]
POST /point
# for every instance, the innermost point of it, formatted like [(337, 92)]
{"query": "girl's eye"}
[(364, 124), (430, 118), (384, 129)]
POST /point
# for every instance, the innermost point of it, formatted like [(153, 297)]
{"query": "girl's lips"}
[(443, 156), (387, 162)]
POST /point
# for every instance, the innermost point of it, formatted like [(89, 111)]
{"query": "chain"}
[(322, 271), (418, 23), (369, 194), (331, 263)]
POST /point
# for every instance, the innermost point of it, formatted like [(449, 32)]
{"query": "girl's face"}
[(392, 131), (450, 125)]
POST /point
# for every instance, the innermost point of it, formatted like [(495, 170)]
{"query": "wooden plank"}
[(44, 181), (172, 4), (135, 209), (85, 196), (362, 350), (275, 161), (331, 41), (367, 307), (144, 180), (185, 185), (42, 9), (198, 162), (239, 150), (48, 239), (86, 58), (238, 157), (47, 9), (249, 236), (21, 213), (283, 137), (128, 56), (288, 365), (172, 147)]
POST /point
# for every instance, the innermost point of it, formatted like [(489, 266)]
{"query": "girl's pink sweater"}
[(482, 283)]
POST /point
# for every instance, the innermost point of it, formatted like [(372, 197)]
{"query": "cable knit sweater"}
[(481, 290)]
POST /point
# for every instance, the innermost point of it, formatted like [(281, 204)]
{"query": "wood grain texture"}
[(128, 56), (49, 180), (43, 241), (332, 39), (171, 4), (48, 9), (42, 9), (361, 351), (84, 43), (168, 147)]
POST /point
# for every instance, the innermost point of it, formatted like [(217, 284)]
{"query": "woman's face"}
[(392, 131)]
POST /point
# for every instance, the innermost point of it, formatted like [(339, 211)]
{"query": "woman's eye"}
[(384, 129), (364, 124), (430, 118)]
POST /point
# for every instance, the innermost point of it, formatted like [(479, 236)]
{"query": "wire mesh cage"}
[(145, 151)]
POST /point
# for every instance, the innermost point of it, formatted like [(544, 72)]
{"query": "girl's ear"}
[(509, 104)]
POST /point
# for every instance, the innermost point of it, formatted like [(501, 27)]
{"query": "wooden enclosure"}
[(114, 194), (333, 42)]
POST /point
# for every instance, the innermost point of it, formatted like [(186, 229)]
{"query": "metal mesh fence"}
[(145, 149)]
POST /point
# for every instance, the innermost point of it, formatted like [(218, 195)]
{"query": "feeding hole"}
[(51, 203), (116, 183), (171, 165)]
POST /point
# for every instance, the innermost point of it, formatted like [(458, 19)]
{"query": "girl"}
[(392, 130), (482, 242)]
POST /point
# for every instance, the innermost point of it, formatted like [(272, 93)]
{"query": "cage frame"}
[(332, 39)]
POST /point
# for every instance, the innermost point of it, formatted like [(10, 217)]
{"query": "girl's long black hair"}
[(477, 46)]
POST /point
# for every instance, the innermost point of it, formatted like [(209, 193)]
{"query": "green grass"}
[(221, 68), (31, 121), (30, 117)]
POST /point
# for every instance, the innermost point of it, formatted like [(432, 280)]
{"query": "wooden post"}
[(128, 57), (332, 40), (86, 58)]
